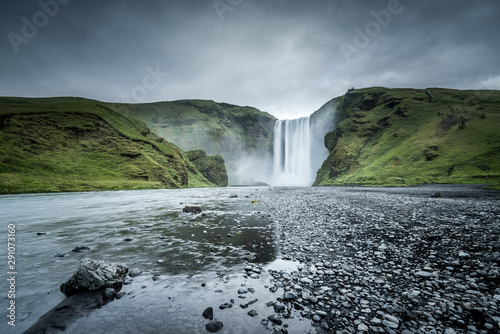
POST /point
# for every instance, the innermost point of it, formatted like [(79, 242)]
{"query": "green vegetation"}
[(238, 134), (211, 166), (74, 144), (397, 137)]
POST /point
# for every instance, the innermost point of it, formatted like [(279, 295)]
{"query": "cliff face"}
[(243, 136), (211, 166), (72, 144), (409, 136)]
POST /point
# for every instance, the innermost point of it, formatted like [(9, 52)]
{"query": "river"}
[(338, 236)]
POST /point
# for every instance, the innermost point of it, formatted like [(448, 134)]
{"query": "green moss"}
[(71, 144), (211, 166), (397, 137), (235, 132)]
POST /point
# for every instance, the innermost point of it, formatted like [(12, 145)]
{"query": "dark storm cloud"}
[(285, 57)]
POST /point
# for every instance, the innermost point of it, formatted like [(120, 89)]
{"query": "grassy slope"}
[(73, 144), (232, 131), (397, 137)]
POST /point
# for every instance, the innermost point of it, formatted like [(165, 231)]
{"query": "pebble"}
[(214, 326), (391, 260), (208, 313), (275, 320)]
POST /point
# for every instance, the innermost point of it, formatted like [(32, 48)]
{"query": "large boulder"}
[(93, 275)]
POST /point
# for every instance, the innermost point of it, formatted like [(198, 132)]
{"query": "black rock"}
[(41, 233), (119, 295), (93, 275), (208, 313), (279, 331), (225, 305), (214, 326), (192, 209), (436, 195), (275, 320), (278, 307), (252, 313), (80, 249), (60, 255), (233, 196)]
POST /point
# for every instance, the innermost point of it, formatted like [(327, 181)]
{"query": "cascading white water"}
[(292, 153)]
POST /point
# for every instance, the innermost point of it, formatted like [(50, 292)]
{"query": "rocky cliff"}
[(243, 136), (412, 136)]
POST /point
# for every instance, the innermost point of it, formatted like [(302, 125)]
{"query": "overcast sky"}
[(282, 56)]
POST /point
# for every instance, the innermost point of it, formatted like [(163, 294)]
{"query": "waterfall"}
[(292, 153)]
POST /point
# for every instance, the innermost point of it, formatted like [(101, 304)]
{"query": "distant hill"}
[(412, 136), (75, 144), (242, 135)]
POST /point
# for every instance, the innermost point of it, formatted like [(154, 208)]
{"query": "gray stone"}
[(80, 249), (135, 273), (208, 313), (93, 275), (275, 320), (252, 313), (214, 326), (192, 209)]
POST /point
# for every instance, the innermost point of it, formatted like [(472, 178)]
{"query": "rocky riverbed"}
[(270, 260), (417, 260)]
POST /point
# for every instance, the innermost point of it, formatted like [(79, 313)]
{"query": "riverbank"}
[(269, 260), (394, 260)]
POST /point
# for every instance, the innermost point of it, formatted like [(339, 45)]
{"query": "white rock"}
[(362, 328)]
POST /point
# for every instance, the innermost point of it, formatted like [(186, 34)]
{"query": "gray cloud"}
[(284, 57)]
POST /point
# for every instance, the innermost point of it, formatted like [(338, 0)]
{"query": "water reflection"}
[(144, 229)]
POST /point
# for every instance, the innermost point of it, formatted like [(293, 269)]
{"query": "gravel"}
[(389, 260)]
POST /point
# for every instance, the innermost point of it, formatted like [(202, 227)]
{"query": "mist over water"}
[(299, 148)]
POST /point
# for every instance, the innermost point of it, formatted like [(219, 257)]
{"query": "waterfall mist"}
[(299, 148)]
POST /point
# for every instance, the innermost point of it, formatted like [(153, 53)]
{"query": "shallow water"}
[(190, 249)]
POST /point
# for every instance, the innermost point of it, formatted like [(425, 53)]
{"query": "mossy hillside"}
[(237, 133), (73, 144), (400, 137), (211, 166)]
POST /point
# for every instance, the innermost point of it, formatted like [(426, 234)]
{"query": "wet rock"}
[(233, 196), (109, 293), (80, 249), (225, 306), (192, 209), (279, 331), (135, 273), (94, 275), (120, 294), (278, 307), (208, 313), (252, 313), (214, 326), (275, 320), (60, 255), (41, 233)]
